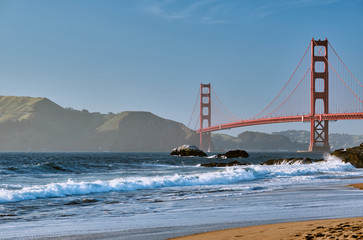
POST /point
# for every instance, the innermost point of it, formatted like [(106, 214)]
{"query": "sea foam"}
[(215, 176)]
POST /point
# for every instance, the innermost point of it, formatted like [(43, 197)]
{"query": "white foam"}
[(220, 176), (331, 164), (123, 184)]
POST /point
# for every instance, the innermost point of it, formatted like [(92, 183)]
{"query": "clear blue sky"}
[(151, 55)]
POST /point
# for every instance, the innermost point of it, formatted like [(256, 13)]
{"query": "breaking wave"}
[(219, 176)]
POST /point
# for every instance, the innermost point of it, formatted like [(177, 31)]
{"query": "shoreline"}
[(357, 185), (268, 225), (339, 228), (332, 228), (345, 228)]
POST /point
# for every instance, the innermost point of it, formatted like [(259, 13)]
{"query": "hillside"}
[(254, 141), (336, 140), (291, 140), (38, 124), (143, 131)]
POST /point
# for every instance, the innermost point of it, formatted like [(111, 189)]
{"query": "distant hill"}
[(336, 140), (38, 124), (254, 141), (291, 140)]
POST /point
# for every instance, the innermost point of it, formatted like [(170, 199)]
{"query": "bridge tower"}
[(319, 129), (205, 116)]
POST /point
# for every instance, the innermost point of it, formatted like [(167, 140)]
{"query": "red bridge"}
[(320, 89)]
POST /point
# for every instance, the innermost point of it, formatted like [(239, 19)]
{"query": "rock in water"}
[(290, 161), (230, 164), (233, 154), (188, 150), (237, 154), (352, 155)]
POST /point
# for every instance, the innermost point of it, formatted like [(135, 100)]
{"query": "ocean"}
[(157, 196)]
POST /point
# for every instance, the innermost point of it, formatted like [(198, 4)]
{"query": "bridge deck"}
[(299, 118)]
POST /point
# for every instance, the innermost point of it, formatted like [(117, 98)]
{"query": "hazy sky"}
[(152, 55)]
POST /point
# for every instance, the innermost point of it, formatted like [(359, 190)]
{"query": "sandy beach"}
[(344, 228), (357, 185)]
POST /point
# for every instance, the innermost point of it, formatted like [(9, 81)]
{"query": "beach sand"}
[(345, 228), (357, 185)]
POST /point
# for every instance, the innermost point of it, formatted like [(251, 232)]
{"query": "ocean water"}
[(159, 196)]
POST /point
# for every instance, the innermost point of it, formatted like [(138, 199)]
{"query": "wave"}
[(331, 164), (51, 166), (37, 168), (229, 175)]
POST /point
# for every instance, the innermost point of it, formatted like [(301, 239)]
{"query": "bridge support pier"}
[(205, 116), (319, 129)]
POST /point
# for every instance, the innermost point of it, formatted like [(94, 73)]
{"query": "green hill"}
[(290, 140), (22, 108), (336, 140), (38, 124), (253, 141), (144, 131)]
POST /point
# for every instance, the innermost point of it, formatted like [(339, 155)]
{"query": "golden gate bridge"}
[(321, 89)]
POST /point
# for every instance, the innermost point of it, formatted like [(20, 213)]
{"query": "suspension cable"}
[(196, 101), (195, 127), (340, 77), (289, 94), (225, 107), (345, 65), (284, 86), (222, 114)]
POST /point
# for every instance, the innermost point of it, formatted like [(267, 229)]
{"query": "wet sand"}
[(357, 185), (348, 228), (345, 228)]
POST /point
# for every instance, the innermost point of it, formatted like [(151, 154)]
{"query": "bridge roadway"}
[(299, 118)]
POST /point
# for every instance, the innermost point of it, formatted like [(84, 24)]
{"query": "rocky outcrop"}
[(352, 155), (232, 154), (188, 150), (291, 161), (236, 154), (230, 164)]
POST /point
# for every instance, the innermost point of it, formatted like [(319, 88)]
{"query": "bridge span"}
[(320, 90)]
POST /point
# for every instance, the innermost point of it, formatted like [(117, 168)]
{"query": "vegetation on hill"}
[(38, 124), (291, 140), (336, 140), (253, 141)]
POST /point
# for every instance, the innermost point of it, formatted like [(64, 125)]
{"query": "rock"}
[(188, 150), (291, 161), (237, 154), (230, 164), (352, 155), (233, 154)]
